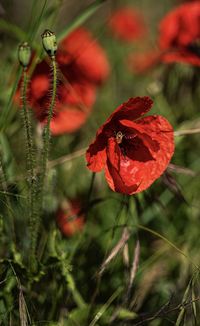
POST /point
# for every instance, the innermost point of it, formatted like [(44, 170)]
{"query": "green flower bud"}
[(24, 54), (49, 42)]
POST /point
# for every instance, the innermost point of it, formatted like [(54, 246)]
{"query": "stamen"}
[(119, 137)]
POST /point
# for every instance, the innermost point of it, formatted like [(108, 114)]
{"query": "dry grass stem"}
[(187, 132), (121, 243)]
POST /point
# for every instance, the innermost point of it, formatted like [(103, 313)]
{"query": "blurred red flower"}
[(74, 101), (179, 40), (70, 218), (132, 153), (127, 24), (180, 34), (80, 55), (83, 66)]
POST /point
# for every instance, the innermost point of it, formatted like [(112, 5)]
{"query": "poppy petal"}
[(113, 153), (133, 109), (137, 129), (180, 26), (96, 153), (144, 167), (179, 34), (182, 55), (67, 120), (115, 181), (113, 167), (80, 48)]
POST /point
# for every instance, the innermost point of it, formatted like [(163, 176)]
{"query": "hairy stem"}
[(47, 134), (30, 160), (44, 158)]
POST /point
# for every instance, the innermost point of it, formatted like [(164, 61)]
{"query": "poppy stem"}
[(47, 134), (44, 159), (29, 157)]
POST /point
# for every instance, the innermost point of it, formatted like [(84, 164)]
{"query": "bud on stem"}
[(24, 54), (49, 43)]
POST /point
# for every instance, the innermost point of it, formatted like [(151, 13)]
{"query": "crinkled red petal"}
[(134, 129), (133, 109), (115, 181), (113, 153), (113, 168), (140, 165), (96, 153)]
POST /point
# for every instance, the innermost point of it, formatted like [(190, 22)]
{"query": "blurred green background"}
[(163, 220)]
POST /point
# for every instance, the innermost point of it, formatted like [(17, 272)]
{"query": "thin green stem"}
[(47, 134), (27, 125), (105, 306), (37, 22), (30, 159), (139, 226), (43, 164), (89, 11)]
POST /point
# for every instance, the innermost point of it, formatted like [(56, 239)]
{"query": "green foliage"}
[(62, 282)]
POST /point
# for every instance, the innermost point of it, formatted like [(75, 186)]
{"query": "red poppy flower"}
[(70, 220), (68, 119), (127, 24), (83, 65), (179, 40), (73, 104), (80, 54), (133, 150), (180, 34)]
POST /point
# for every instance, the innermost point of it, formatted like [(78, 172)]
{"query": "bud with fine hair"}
[(24, 54), (49, 42)]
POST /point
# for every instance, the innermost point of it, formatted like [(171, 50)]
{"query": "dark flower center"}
[(119, 137), (194, 47)]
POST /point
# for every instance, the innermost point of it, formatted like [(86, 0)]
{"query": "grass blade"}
[(13, 29), (105, 307)]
